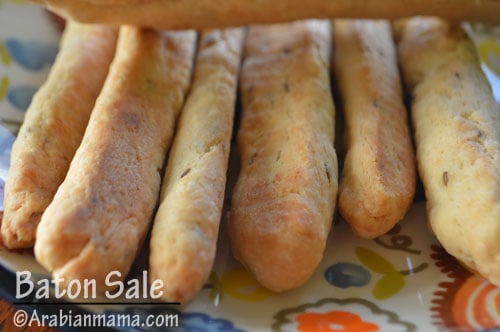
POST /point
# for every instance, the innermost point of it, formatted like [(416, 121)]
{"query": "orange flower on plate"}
[(334, 321), (468, 302)]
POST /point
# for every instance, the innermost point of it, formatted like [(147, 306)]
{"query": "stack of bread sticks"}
[(131, 133)]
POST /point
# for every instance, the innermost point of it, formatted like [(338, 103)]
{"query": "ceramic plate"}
[(402, 281)]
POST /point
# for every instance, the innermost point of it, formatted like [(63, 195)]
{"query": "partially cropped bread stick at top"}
[(378, 181), (53, 128), (457, 136), (101, 212), (202, 14), (185, 229), (283, 201)]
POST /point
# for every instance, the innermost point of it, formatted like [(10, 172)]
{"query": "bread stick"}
[(284, 197), (53, 128), (202, 14), (457, 136), (185, 229), (101, 212), (378, 180)]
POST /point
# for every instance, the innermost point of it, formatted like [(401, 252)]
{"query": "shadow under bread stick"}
[(202, 14), (100, 214), (284, 197), (53, 128), (378, 180), (185, 229), (457, 136)]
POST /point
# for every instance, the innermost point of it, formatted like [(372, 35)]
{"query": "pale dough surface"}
[(53, 128), (457, 134), (185, 230)]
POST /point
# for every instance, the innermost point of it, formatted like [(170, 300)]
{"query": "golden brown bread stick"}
[(101, 212), (202, 14), (53, 128), (378, 179), (457, 136), (283, 201), (185, 229)]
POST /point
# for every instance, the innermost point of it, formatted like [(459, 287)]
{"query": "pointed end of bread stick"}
[(52, 237), (375, 214), (283, 250), (20, 237), (180, 281), (180, 262)]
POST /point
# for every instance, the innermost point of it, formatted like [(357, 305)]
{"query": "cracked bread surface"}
[(101, 212), (283, 201), (378, 179)]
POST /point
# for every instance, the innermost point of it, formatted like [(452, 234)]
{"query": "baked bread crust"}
[(185, 229), (378, 180), (457, 135), (101, 212), (284, 197), (53, 128), (202, 14)]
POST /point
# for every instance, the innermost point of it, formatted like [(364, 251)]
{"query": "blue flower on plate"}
[(20, 96), (31, 55), (187, 322), (198, 322), (346, 274)]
